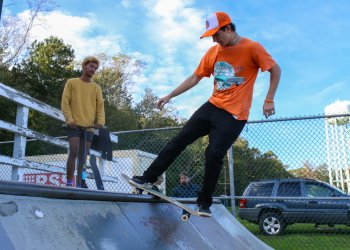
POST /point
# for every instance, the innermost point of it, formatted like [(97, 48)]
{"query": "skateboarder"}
[(82, 105), (234, 62)]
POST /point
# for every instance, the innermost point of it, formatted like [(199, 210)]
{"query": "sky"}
[(310, 40)]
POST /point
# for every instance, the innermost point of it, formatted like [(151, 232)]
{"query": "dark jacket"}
[(186, 191), (102, 142)]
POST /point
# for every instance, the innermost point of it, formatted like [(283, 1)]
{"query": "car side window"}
[(289, 189), (261, 189), (317, 190)]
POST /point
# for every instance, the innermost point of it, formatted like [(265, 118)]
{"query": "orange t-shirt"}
[(235, 69)]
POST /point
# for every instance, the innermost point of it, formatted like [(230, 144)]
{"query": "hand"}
[(162, 101), (98, 125), (268, 109), (72, 125)]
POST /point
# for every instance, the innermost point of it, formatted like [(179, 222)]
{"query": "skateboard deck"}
[(187, 211)]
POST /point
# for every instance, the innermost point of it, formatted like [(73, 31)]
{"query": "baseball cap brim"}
[(210, 32)]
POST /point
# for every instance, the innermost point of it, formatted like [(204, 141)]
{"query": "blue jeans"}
[(221, 127)]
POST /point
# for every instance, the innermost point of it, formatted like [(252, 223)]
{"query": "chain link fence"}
[(310, 148)]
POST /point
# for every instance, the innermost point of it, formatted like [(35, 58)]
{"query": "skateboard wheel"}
[(185, 217)]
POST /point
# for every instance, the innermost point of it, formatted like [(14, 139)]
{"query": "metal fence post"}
[(1, 2), (232, 185), (19, 146)]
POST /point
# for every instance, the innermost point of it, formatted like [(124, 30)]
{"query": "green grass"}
[(305, 237)]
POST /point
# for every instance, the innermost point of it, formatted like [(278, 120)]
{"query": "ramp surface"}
[(42, 217)]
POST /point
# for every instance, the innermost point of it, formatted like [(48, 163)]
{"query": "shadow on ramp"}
[(45, 217)]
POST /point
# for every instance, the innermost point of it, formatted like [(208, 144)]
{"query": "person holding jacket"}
[(82, 105)]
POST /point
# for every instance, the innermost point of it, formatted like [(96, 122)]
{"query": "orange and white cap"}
[(215, 22)]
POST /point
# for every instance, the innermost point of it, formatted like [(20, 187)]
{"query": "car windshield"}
[(337, 189), (321, 189)]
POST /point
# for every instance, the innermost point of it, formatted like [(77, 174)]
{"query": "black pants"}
[(223, 129)]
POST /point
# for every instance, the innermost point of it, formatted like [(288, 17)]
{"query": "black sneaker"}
[(137, 191), (140, 181), (155, 188), (204, 210)]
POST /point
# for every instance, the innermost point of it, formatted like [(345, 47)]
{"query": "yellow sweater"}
[(82, 103)]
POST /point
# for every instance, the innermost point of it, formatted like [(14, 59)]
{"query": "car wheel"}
[(272, 224)]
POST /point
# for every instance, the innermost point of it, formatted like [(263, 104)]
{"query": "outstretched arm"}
[(183, 87), (269, 106)]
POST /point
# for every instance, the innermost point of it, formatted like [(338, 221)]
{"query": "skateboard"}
[(186, 210)]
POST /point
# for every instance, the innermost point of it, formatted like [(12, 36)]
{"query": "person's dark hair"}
[(184, 173), (233, 27)]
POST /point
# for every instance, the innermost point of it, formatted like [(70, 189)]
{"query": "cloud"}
[(325, 93), (174, 27), (178, 28), (125, 3), (74, 30)]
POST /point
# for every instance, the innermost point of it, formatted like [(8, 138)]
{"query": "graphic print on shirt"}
[(224, 75)]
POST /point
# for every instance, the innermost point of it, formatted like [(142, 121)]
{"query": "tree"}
[(14, 38), (310, 172), (15, 32), (44, 72), (250, 164), (42, 75), (149, 116), (8, 108), (115, 76)]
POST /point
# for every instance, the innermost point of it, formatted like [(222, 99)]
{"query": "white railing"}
[(21, 131)]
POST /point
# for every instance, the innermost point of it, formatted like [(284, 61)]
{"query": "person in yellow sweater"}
[(82, 105)]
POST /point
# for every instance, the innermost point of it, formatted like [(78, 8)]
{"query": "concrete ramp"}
[(43, 217)]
